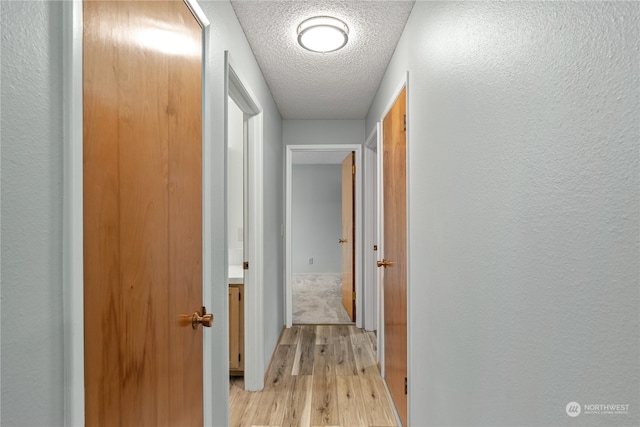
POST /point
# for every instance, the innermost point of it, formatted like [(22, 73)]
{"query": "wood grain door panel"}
[(142, 213), (348, 236), (395, 244)]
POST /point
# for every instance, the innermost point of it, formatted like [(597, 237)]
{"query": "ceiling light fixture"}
[(323, 34)]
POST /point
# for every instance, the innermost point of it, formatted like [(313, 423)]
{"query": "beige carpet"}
[(317, 299)]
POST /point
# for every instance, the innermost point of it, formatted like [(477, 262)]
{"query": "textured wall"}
[(316, 223), (32, 366), (226, 34), (31, 124), (524, 206)]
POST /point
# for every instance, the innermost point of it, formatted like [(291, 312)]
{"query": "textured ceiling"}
[(337, 85)]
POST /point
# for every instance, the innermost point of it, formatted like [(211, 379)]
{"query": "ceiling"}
[(337, 85)]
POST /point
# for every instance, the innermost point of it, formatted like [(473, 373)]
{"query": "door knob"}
[(384, 263), (203, 319), (342, 240)]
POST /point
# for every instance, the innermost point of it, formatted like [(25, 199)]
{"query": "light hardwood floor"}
[(320, 375)]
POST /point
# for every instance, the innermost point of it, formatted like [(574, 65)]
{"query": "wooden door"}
[(142, 88), (348, 236), (395, 247)]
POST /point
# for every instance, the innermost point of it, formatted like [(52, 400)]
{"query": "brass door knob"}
[(203, 319), (384, 263), (342, 240)]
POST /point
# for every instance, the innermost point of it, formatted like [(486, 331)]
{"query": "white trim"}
[(73, 241), (207, 212), (408, 201), (372, 139), (370, 238), (239, 92), (197, 12), (380, 233), (290, 149), (73, 261), (288, 294)]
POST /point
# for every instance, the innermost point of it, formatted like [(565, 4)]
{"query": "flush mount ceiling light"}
[(323, 34)]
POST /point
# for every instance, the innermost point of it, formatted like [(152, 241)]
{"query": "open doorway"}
[(245, 232), (319, 239), (314, 226), (237, 207), (371, 216)]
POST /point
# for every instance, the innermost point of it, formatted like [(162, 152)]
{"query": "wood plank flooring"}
[(320, 375)]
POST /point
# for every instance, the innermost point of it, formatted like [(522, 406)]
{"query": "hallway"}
[(319, 375), (522, 197)]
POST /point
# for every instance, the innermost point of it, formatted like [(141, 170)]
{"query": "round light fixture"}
[(323, 34)]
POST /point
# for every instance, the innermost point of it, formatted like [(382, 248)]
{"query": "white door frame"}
[(73, 241), (239, 92), (369, 256), (288, 294)]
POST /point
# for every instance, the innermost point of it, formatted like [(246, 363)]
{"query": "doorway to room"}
[(237, 206), (245, 231), (315, 277), (394, 253), (322, 238)]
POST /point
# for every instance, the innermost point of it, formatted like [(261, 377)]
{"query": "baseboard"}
[(393, 404), (273, 353)]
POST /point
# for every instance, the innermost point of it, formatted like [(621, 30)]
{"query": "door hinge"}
[(353, 169), (375, 247), (405, 385), (245, 265), (353, 294), (405, 122)]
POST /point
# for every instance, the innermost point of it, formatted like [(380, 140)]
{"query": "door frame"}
[(403, 83), (241, 94), (288, 281), (371, 279), (73, 239)]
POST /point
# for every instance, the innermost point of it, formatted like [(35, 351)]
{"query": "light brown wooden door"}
[(142, 213), (395, 251), (348, 236)]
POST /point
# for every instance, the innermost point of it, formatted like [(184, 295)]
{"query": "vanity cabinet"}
[(236, 329)]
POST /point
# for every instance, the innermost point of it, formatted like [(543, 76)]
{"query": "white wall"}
[(321, 132), (524, 205), (316, 223), (31, 169), (235, 183), (315, 132), (226, 34)]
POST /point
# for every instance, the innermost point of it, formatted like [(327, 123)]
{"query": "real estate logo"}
[(573, 409)]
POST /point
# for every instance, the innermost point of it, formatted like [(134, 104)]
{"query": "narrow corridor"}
[(320, 375)]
